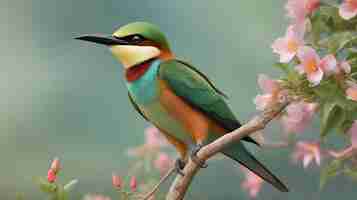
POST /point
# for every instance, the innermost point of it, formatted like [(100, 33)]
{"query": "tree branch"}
[(181, 184)]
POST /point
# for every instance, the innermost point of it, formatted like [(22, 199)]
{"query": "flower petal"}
[(267, 84), (262, 101), (307, 160), (329, 64), (315, 77), (346, 11), (306, 54)]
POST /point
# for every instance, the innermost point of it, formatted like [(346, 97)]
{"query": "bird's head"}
[(134, 43)]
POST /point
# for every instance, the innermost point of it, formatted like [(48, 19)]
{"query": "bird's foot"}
[(194, 157), (179, 165)]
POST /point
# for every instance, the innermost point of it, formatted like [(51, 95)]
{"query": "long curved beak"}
[(102, 39)]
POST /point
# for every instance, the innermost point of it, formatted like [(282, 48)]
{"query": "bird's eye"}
[(136, 38)]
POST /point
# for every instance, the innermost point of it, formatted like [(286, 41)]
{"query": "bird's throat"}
[(135, 72)]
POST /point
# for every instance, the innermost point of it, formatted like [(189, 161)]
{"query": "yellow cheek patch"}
[(131, 55)]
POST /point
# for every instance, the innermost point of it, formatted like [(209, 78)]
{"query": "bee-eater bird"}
[(176, 97)]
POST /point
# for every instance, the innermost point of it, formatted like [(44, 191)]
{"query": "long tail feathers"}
[(240, 154)]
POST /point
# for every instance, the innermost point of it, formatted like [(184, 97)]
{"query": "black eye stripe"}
[(136, 38)]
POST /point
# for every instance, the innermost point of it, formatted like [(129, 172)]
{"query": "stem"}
[(181, 184)]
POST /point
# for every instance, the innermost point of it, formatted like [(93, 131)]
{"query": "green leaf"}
[(70, 185), (45, 186), (338, 41), (332, 116), (330, 171), (283, 66), (352, 173)]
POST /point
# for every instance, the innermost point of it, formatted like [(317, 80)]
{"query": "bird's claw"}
[(194, 157), (179, 165)]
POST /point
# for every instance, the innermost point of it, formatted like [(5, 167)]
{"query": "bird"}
[(175, 97)]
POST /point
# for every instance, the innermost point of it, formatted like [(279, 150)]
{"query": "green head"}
[(134, 43)]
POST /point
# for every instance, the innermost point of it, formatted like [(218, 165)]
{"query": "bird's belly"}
[(159, 116)]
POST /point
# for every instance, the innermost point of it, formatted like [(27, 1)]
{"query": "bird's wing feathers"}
[(195, 89)]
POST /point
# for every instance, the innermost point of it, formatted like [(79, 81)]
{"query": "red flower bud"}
[(55, 165), (117, 182), (51, 176), (133, 184)]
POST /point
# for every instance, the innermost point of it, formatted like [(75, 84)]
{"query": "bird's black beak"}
[(105, 40)]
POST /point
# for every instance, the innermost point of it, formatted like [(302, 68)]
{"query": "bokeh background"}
[(66, 98)]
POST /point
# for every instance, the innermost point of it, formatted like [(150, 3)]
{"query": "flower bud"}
[(133, 184), (51, 176), (117, 182), (55, 165)]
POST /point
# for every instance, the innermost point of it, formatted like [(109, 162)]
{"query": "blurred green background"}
[(66, 98)]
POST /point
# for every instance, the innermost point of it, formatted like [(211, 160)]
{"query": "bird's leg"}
[(194, 157), (179, 165)]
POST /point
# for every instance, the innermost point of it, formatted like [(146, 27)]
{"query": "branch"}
[(162, 180), (181, 184)]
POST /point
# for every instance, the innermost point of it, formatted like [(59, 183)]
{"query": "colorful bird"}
[(176, 97)]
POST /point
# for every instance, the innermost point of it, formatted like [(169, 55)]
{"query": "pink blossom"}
[(133, 183), (55, 165), (154, 138), (353, 132), (51, 176), (348, 9), (329, 64), (117, 182), (252, 183), (287, 46), (298, 116), (307, 152), (271, 92), (351, 91), (299, 9), (313, 66), (163, 162)]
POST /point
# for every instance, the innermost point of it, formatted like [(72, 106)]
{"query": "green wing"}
[(136, 107), (196, 89)]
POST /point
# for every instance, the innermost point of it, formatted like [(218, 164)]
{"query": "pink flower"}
[(252, 183), (272, 92), (329, 64), (307, 152), (51, 176), (154, 138), (55, 165), (287, 46), (133, 184), (298, 116), (353, 132), (313, 66), (348, 9), (117, 182), (351, 91), (163, 162), (299, 9), (311, 5)]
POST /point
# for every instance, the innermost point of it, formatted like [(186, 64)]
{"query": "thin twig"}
[(157, 186), (181, 184)]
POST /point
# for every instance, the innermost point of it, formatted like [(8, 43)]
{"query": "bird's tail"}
[(240, 154)]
